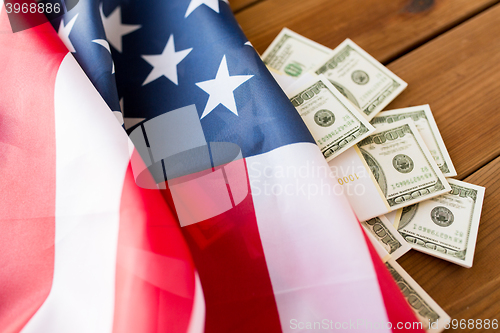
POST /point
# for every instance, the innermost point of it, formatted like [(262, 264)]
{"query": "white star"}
[(214, 4), (64, 32), (104, 43), (114, 28), (165, 64), (221, 89)]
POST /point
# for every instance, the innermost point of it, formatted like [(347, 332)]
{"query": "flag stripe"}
[(307, 233), (230, 260), (197, 321), (27, 180), (156, 284), (61, 246), (398, 309), (91, 160)]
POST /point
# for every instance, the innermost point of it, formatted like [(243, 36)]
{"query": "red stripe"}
[(29, 61), (398, 309), (154, 272), (230, 260)]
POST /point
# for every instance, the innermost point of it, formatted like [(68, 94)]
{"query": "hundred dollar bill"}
[(446, 226), (394, 216), (387, 236), (284, 81), (293, 55), (381, 251), (333, 122), (357, 183), (300, 83), (402, 165), (425, 308), (427, 127), (361, 78)]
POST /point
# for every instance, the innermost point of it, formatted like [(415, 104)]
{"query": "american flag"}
[(229, 237)]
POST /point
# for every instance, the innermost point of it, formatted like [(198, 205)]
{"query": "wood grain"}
[(457, 74), (467, 293), (385, 29), (237, 5)]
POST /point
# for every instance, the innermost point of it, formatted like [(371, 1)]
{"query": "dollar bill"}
[(300, 83), (446, 226), (402, 165), (425, 308), (387, 236), (427, 127), (356, 181), (381, 251), (293, 55), (283, 80), (333, 122), (394, 216), (361, 78)]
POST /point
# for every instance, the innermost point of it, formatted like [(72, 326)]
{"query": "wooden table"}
[(449, 53)]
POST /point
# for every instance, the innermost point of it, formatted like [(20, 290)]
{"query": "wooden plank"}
[(237, 5), (383, 28), (453, 73), (468, 293), (457, 74)]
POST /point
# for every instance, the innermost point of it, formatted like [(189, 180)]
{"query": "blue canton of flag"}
[(83, 30), (170, 54), (185, 54)]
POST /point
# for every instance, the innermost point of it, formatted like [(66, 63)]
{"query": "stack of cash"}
[(393, 166)]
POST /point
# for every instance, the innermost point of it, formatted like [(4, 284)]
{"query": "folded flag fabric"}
[(82, 247), (274, 246)]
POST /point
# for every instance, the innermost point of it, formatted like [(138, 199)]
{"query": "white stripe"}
[(197, 321), (91, 160), (317, 258)]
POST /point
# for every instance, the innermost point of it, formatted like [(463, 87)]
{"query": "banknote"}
[(300, 82), (283, 80), (387, 236), (293, 55), (381, 251), (355, 180), (422, 118), (446, 226), (361, 78), (402, 165), (394, 216), (426, 309), (333, 122)]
